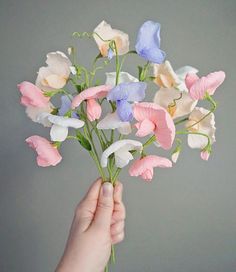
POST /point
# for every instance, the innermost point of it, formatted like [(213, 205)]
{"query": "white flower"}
[(182, 105), (206, 126), (60, 125), (106, 32), (112, 121), (34, 112), (181, 73), (175, 156), (56, 74), (123, 77), (121, 150)]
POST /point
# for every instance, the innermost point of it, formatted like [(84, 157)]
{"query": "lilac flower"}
[(123, 94), (66, 106), (148, 42)]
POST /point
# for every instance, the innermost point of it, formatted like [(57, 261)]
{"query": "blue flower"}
[(66, 106), (148, 42), (124, 93)]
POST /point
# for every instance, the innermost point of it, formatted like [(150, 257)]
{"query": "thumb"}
[(103, 214)]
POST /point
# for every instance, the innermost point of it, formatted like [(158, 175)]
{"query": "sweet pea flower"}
[(123, 77), (106, 32), (47, 154), (175, 156), (34, 100), (94, 110), (121, 150), (123, 94), (199, 87), (148, 42), (205, 155), (56, 74), (144, 166), (60, 125), (153, 118), (66, 106), (112, 121), (206, 126)]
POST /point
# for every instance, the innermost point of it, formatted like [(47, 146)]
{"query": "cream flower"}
[(60, 125), (123, 77), (106, 32), (112, 121), (206, 126), (121, 150), (175, 102), (56, 74)]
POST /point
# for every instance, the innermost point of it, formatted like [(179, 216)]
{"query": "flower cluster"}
[(112, 110)]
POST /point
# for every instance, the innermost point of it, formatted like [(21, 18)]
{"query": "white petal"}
[(59, 63), (35, 113), (112, 121), (122, 144), (65, 121), (73, 70), (122, 157), (123, 77), (184, 106), (175, 156), (58, 133)]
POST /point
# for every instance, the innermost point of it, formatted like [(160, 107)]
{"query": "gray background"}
[(185, 220)]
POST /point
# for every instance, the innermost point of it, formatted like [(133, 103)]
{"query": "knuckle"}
[(104, 205)]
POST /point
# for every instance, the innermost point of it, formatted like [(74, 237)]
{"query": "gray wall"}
[(185, 220)]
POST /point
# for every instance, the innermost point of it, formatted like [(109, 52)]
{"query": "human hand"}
[(98, 223)]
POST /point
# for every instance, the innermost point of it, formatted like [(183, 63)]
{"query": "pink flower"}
[(47, 153), (94, 110), (32, 95), (144, 167), (205, 155), (154, 119), (198, 87)]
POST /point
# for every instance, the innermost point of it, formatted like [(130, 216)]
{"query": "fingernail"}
[(107, 189)]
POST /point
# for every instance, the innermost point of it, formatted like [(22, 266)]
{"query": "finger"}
[(118, 238), (103, 214), (119, 208), (118, 190), (86, 209), (117, 228)]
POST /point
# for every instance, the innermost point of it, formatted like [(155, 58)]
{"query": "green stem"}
[(183, 132), (181, 121)]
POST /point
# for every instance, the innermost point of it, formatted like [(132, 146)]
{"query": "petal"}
[(214, 80), (94, 110), (123, 77), (58, 133), (121, 144), (183, 71), (145, 128), (122, 157), (65, 121), (205, 155), (55, 81), (34, 113), (90, 93), (65, 105), (130, 91), (124, 110), (190, 80)]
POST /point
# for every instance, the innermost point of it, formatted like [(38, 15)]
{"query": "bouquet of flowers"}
[(102, 116)]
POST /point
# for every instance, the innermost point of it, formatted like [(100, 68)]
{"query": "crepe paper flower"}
[(144, 166), (123, 94), (56, 74), (148, 42), (66, 106), (205, 155), (121, 150), (177, 103), (47, 154), (175, 156), (206, 126), (60, 125), (94, 110), (123, 77), (198, 87), (32, 95), (166, 77), (112, 121), (153, 118), (106, 32)]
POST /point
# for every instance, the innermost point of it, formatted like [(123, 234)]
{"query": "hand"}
[(98, 223)]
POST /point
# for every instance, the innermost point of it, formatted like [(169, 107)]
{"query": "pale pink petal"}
[(94, 110), (190, 79), (205, 155), (47, 153), (214, 80), (91, 93), (144, 127), (32, 95), (144, 167), (164, 125)]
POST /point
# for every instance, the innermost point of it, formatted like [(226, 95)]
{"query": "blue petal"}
[(66, 106), (148, 42), (124, 110), (130, 91), (110, 54)]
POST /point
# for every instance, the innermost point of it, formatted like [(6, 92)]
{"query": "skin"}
[(98, 223)]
